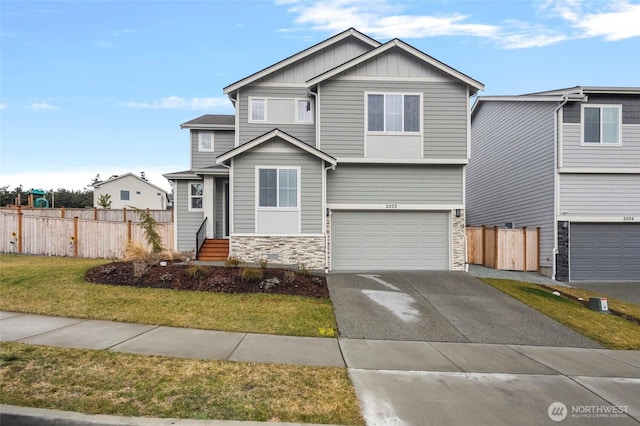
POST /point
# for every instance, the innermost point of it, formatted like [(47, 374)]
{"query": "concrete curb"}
[(11, 415)]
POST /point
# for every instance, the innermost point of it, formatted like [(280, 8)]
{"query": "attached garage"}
[(604, 251), (390, 240)]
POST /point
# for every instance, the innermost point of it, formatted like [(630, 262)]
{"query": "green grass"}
[(611, 331), (56, 286), (99, 382)]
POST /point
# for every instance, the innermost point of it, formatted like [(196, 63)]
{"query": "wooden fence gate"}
[(502, 248)]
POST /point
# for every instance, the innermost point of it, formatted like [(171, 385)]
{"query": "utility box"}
[(599, 304)]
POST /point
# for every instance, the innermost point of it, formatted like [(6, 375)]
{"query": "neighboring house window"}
[(601, 124), (195, 196), (137, 192), (258, 109), (124, 195), (303, 111), (205, 141), (393, 113), (277, 187)]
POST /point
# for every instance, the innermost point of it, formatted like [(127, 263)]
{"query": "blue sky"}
[(90, 87)]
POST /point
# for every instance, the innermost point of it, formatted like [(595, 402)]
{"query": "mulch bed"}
[(216, 279)]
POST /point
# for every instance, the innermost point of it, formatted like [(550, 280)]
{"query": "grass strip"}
[(56, 286), (620, 306), (99, 382), (611, 331)]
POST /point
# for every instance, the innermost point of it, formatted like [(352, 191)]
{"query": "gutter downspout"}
[(556, 182)]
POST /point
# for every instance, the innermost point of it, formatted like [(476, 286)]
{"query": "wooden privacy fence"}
[(73, 236), (108, 215), (502, 248)]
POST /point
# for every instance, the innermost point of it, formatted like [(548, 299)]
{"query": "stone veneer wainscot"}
[(309, 251), (459, 242)]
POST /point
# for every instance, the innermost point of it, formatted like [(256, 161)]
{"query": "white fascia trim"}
[(394, 206), (410, 50), (458, 161), (596, 219), (268, 136), (604, 170), (208, 126), (300, 55), (278, 235)]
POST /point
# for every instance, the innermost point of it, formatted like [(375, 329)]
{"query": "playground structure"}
[(32, 202)]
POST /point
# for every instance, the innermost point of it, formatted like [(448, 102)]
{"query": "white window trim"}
[(266, 111), (278, 168), (189, 196), (385, 132), (200, 148), (583, 106), (294, 112)]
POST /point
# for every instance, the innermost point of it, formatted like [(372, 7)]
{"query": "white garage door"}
[(604, 251), (389, 240)]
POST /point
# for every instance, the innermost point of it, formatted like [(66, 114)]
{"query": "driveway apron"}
[(439, 306)]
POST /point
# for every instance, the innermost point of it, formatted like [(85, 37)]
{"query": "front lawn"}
[(56, 286), (99, 382), (611, 331)]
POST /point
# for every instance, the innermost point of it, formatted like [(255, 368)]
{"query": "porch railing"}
[(201, 235)]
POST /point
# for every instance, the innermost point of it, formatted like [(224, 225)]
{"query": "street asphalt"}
[(439, 306)]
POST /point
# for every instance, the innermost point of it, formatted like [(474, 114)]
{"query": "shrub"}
[(140, 267), (232, 261), (264, 262), (289, 276), (303, 269), (251, 275), (150, 227), (197, 272), (136, 251)]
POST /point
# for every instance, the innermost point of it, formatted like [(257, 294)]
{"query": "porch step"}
[(214, 250)]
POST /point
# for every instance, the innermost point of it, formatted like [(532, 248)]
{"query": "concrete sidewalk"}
[(397, 382)]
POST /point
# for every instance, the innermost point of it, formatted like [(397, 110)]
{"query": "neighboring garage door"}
[(389, 240), (604, 251)]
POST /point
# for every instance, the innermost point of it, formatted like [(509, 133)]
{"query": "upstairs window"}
[(205, 141), (303, 111), (601, 124), (195, 196), (124, 195), (393, 113), (258, 109), (277, 187)]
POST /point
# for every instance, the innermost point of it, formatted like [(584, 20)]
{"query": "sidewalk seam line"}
[(132, 337)]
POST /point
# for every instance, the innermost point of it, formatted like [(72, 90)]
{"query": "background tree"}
[(104, 201)]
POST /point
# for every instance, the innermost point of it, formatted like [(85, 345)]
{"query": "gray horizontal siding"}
[(510, 176), (316, 64), (187, 222), (630, 107), (223, 141), (600, 194), (625, 155), (395, 184), (342, 104), (249, 131), (244, 176)]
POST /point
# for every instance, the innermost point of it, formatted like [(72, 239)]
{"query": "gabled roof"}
[(211, 121), (351, 32), (267, 137), (114, 178), (474, 84)]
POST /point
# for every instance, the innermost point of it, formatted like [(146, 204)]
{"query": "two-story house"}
[(349, 155), (568, 161), (129, 190)]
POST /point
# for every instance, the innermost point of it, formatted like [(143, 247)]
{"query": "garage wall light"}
[(458, 212)]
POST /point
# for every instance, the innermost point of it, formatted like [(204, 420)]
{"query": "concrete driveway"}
[(439, 306)]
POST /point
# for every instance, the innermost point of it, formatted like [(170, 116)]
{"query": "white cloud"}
[(382, 19), (3, 106), (176, 102), (42, 106)]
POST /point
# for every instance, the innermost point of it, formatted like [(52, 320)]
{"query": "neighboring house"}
[(568, 161), (129, 190), (349, 155)]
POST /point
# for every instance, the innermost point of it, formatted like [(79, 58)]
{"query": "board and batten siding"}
[(395, 184), (342, 115), (244, 193), (599, 194), (223, 141), (510, 176), (600, 155), (306, 132), (188, 221), (319, 62)]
